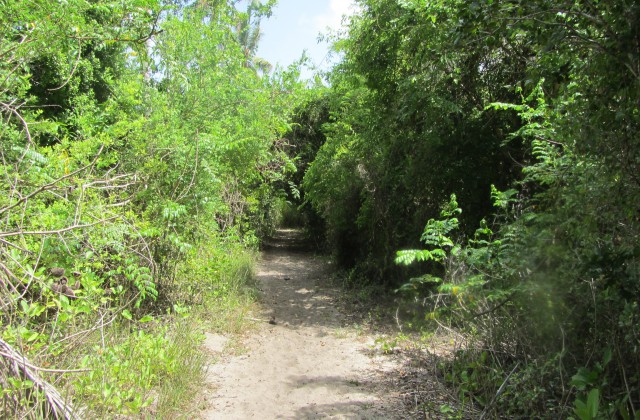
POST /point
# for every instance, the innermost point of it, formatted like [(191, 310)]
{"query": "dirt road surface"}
[(302, 362)]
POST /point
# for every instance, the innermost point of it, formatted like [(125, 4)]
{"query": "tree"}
[(416, 131), (248, 32), (137, 169), (531, 106)]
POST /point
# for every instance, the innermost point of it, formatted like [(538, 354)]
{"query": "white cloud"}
[(333, 17)]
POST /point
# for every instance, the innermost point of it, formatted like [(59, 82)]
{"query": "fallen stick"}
[(18, 366)]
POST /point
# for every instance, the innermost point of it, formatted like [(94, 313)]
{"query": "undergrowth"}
[(115, 362)]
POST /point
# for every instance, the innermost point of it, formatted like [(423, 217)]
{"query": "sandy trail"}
[(307, 365)]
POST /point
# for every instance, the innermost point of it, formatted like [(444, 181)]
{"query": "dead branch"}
[(15, 112), (100, 324), (59, 231), (2, 241), (23, 361), (193, 175), (52, 183), (17, 365), (111, 183)]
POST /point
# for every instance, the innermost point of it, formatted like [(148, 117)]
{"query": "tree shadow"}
[(289, 240), (359, 398), (295, 283), (298, 291)]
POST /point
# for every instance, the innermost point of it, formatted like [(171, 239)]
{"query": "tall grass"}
[(107, 359), (177, 391), (218, 288)]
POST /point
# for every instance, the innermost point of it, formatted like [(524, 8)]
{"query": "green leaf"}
[(607, 357), (593, 402), (584, 378), (126, 314), (409, 256), (146, 318)]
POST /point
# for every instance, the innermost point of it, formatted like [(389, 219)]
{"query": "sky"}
[(295, 26)]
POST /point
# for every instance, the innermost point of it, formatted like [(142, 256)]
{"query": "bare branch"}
[(29, 365), (17, 365), (51, 184), (193, 174), (100, 324), (15, 112), (75, 66), (2, 241), (56, 232)]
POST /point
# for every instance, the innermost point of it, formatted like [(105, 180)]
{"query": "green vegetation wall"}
[(134, 139), (528, 113), (408, 127)]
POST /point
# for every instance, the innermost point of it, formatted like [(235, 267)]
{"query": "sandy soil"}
[(301, 362)]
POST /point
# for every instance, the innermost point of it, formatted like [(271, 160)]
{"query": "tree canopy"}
[(528, 113), (139, 159), (480, 157)]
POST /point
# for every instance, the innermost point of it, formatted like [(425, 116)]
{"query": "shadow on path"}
[(289, 240), (305, 364), (294, 283)]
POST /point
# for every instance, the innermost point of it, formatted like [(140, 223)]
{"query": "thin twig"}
[(626, 384), (56, 232), (52, 183), (492, 309), (15, 246), (15, 112), (24, 362), (75, 66), (90, 330), (500, 390)]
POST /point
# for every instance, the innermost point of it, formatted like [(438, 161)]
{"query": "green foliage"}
[(138, 277), (141, 154), (407, 126), (528, 111), (133, 136), (120, 377), (435, 234), (438, 235), (588, 410)]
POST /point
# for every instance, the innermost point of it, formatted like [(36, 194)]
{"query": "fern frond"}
[(31, 155), (409, 256)]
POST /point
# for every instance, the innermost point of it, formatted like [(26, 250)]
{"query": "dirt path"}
[(305, 364)]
